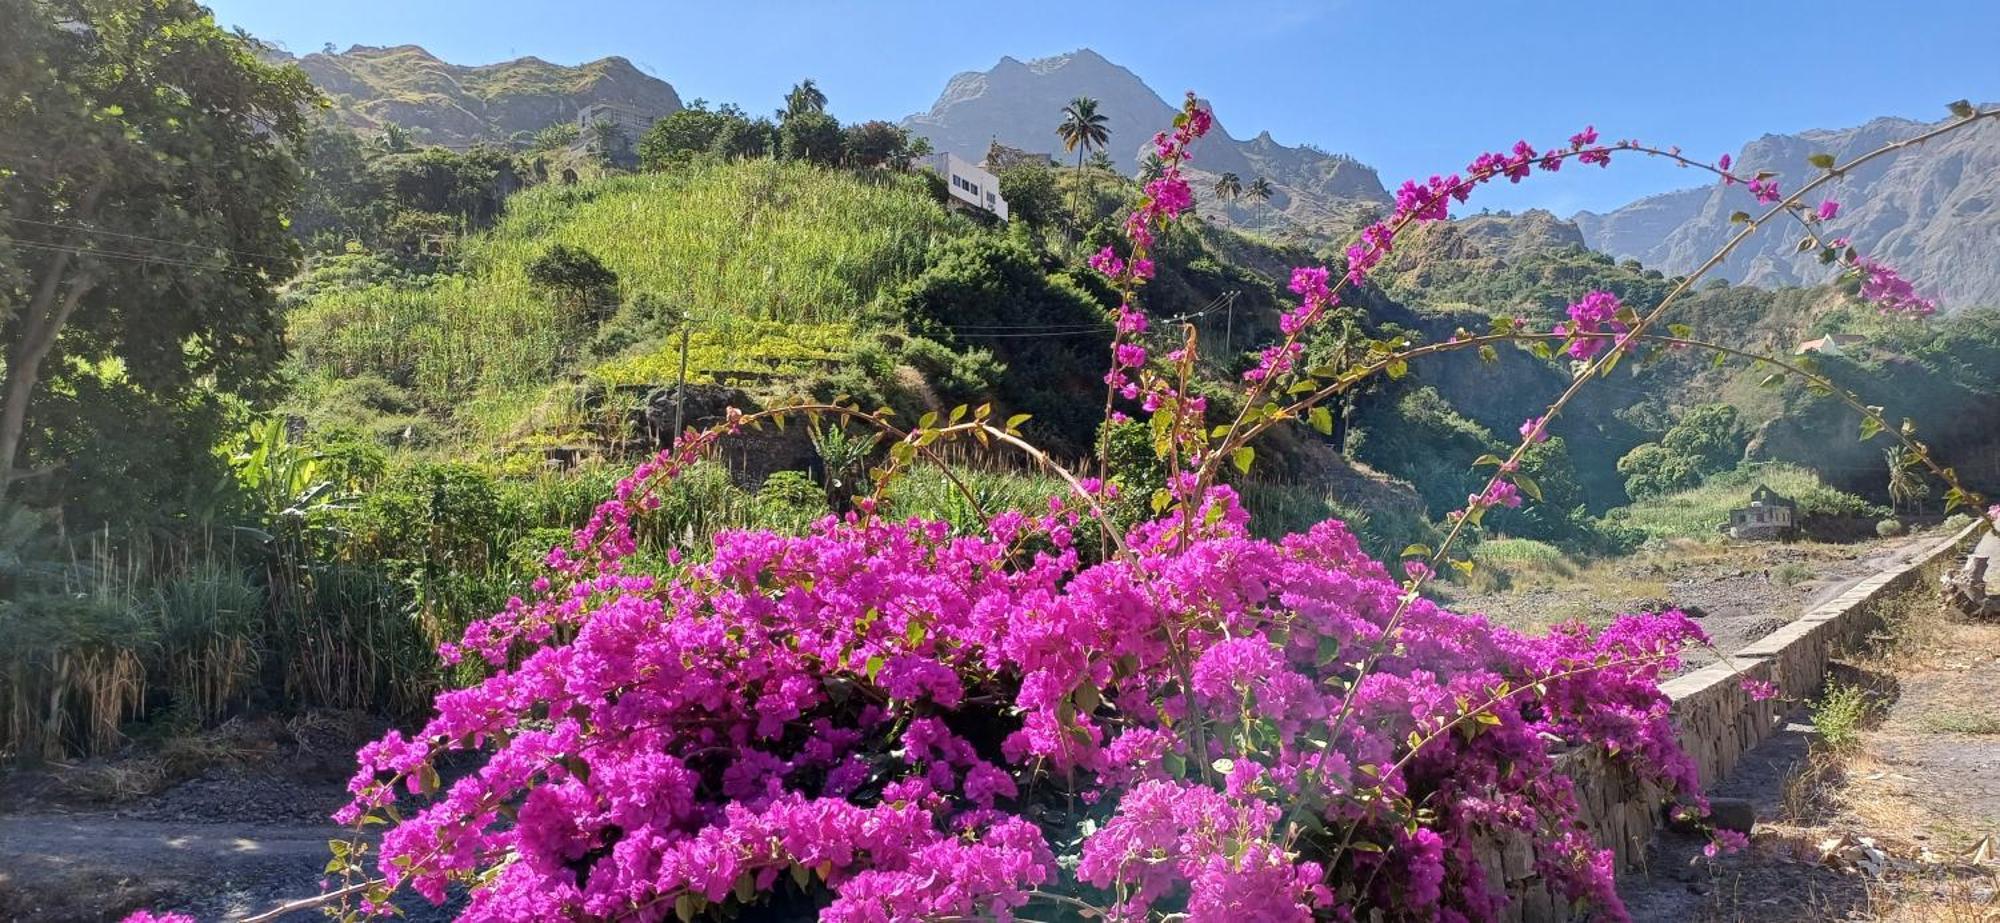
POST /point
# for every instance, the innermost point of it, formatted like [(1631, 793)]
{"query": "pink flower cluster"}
[(1418, 203), (1595, 313), (1890, 292), (877, 713)]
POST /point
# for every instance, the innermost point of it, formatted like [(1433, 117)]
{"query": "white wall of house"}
[(969, 184)]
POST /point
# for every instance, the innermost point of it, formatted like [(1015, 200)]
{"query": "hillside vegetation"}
[(772, 263)]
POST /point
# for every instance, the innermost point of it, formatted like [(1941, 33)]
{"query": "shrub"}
[(1888, 528), (1791, 573), (1840, 714)]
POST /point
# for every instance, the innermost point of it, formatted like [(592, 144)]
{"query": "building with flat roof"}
[(968, 185)]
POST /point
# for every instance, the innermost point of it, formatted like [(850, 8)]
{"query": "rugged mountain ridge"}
[(457, 106), (1932, 211), (1018, 103)]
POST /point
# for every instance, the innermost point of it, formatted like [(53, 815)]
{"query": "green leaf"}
[(1416, 551), (1739, 217), (1014, 422), (1322, 420), (1397, 368), (1242, 458), (1529, 487), (1487, 459), (928, 420), (1869, 427), (915, 633), (1087, 698), (1822, 161), (1681, 331), (873, 666), (958, 413), (1962, 108)]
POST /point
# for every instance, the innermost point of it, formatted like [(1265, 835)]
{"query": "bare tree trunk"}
[(40, 325)]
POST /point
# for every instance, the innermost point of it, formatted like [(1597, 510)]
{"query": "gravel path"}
[(1739, 593)]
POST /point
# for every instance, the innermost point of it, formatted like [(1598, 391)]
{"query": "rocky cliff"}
[(456, 105), (1933, 211), (1020, 103)]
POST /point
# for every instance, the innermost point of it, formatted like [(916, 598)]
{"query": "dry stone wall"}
[(1718, 723)]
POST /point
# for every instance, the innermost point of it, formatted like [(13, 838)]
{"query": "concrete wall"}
[(1718, 723)]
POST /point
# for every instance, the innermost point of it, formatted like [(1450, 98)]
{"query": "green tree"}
[(1031, 193), (148, 132), (876, 144), (805, 97), (1652, 470), (812, 137), (393, 139), (1707, 436), (682, 136), (1228, 186), (342, 195), (609, 143), (1260, 189), (978, 282), (1083, 129), (556, 136), (581, 281)]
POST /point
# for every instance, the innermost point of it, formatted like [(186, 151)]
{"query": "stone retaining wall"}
[(1718, 723)]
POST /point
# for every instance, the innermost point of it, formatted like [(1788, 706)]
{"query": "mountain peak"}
[(1019, 104), (457, 106), (1917, 209)]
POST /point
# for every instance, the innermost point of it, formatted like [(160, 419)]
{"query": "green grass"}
[(1962, 721), (1519, 556), (776, 263)]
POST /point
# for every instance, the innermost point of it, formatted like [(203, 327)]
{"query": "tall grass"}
[(1700, 513), (743, 248)]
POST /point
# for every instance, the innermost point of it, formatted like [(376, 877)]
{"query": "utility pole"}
[(1229, 327), (681, 386)]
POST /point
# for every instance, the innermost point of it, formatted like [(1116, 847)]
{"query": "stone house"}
[(1770, 515)]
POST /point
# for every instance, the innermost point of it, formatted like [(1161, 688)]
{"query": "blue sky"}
[(1410, 87)]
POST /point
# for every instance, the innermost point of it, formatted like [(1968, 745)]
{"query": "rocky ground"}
[(1900, 824), (225, 825)]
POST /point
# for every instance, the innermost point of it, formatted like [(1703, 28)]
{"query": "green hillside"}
[(776, 264), (457, 105)]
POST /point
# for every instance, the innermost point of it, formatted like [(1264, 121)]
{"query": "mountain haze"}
[(456, 105), (1019, 105), (1932, 211)]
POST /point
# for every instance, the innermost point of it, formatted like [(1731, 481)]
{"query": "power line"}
[(113, 254), (141, 237)]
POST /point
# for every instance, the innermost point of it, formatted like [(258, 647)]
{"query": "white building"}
[(969, 185)]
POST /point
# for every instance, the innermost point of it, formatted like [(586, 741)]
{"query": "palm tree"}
[(1228, 186), (1151, 168), (804, 97), (1907, 489), (1260, 189), (393, 139), (1083, 129)]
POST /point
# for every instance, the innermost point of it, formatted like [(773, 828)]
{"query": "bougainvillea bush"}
[(1051, 717)]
